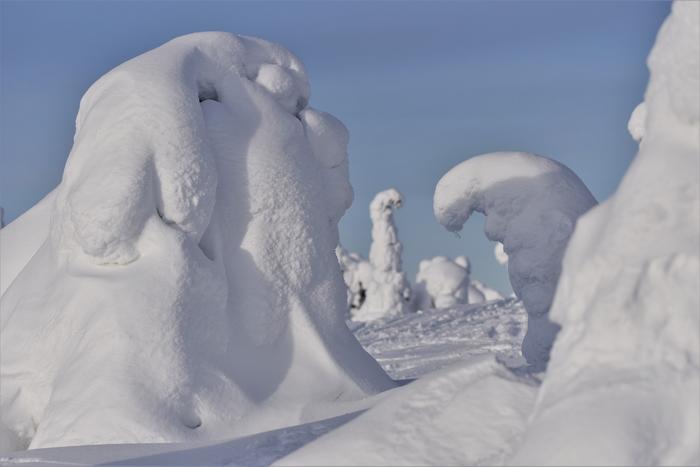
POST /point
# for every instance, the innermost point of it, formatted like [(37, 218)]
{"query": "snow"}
[(215, 317), (637, 121), (186, 288), (415, 344), (445, 283), (469, 414), (409, 346), (441, 283), (626, 365), (500, 254), (531, 204), (379, 287)]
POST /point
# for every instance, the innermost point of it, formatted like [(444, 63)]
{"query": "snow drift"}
[(626, 365), (186, 287), (531, 204)]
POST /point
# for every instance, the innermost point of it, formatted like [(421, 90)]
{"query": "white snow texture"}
[(531, 204), (626, 365), (187, 282)]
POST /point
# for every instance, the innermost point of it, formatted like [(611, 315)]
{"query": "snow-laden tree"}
[(445, 283), (531, 204), (623, 383), (386, 292), (180, 283)]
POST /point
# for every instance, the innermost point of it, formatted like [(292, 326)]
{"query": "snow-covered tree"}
[(622, 384), (180, 283), (379, 286), (444, 283), (531, 204)]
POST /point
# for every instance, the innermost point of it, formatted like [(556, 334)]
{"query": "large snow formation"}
[(186, 287), (623, 382), (531, 204), (380, 282)]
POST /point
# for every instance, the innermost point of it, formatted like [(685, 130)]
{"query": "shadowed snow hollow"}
[(626, 365), (531, 204), (187, 286)]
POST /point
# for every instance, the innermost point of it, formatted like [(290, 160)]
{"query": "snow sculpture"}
[(626, 365), (188, 287), (531, 204), (387, 290)]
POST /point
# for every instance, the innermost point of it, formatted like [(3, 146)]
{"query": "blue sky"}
[(420, 85)]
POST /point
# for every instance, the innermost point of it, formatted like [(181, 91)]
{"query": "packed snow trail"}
[(186, 287), (531, 204)]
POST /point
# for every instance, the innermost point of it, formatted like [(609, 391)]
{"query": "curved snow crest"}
[(626, 365), (531, 204), (188, 287)]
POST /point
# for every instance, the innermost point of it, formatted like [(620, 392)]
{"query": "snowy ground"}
[(407, 347), (415, 344)]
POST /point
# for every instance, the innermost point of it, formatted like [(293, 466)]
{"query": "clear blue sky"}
[(420, 85)]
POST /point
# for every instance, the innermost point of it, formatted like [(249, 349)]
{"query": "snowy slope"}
[(413, 345)]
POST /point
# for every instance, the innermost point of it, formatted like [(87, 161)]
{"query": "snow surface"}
[(531, 204), (500, 254), (186, 287), (626, 365), (410, 346), (415, 344)]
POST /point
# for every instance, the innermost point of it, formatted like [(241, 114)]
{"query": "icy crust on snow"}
[(188, 287), (531, 204), (626, 365)]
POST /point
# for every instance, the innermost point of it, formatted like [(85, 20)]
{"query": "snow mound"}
[(626, 365), (531, 204), (186, 287), (469, 414), (381, 283)]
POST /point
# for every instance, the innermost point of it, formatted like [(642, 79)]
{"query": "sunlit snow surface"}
[(415, 344), (407, 347)]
